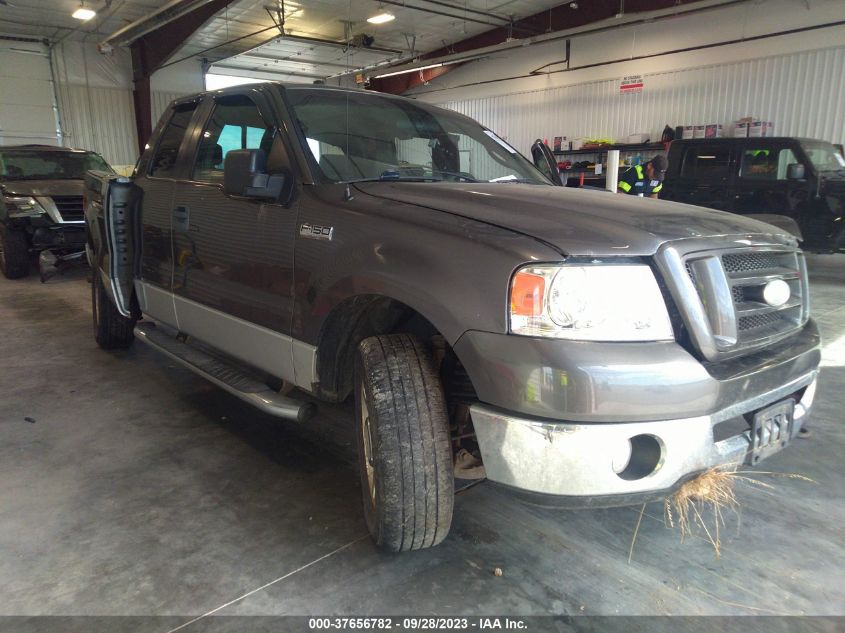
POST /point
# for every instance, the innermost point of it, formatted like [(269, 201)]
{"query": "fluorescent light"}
[(408, 70), (84, 14), (381, 18)]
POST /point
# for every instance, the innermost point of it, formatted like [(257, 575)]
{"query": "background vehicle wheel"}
[(404, 452), (14, 254), (112, 330)]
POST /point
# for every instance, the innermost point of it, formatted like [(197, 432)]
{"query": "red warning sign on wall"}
[(631, 84)]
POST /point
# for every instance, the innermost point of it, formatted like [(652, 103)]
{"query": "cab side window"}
[(766, 163), (710, 163), (235, 123), (163, 164)]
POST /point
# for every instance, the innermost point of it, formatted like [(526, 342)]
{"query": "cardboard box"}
[(756, 129), (688, 131), (741, 129), (712, 130), (698, 131)]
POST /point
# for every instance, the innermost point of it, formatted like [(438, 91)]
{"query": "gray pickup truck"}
[(590, 349)]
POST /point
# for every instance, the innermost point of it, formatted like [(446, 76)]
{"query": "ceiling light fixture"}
[(381, 18), (84, 14)]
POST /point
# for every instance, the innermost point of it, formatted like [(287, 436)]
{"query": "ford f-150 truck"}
[(590, 349)]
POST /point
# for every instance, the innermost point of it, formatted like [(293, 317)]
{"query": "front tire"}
[(14, 253), (404, 451), (112, 330)]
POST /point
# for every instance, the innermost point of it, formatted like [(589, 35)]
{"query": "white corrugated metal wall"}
[(99, 119), (802, 93)]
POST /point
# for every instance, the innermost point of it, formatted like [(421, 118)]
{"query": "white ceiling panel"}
[(234, 33), (419, 26), (51, 19)]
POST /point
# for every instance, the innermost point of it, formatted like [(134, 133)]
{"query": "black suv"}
[(800, 178), (41, 206)]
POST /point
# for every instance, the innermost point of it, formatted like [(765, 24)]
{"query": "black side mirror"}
[(545, 161), (795, 171), (245, 174)]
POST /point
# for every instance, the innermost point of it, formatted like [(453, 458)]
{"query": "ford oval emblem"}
[(776, 293)]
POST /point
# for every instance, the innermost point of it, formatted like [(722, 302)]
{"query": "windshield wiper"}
[(394, 179), (518, 181), (457, 174)]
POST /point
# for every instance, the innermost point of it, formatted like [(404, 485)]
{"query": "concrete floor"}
[(128, 486)]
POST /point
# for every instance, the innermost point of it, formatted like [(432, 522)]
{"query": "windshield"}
[(368, 136), (48, 165), (824, 157)]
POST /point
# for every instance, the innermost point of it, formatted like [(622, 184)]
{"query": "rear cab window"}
[(706, 162), (164, 161)]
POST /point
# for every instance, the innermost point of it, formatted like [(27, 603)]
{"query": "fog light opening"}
[(646, 457)]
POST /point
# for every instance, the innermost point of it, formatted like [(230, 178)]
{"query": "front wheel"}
[(112, 330), (404, 451)]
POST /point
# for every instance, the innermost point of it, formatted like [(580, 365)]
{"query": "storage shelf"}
[(603, 149), (590, 170)]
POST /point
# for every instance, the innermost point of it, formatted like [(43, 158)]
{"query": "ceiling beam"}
[(151, 49)]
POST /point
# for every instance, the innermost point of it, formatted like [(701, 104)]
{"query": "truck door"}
[(113, 224), (233, 256), (155, 181), (704, 176), (762, 185)]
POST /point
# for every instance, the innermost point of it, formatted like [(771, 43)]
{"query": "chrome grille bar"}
[(720, 293)]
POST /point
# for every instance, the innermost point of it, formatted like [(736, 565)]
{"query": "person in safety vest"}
[(644, 180)]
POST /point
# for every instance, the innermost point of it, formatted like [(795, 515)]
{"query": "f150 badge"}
[(316, 231)]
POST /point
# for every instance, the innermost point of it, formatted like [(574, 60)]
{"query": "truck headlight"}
[(23, 206), (600, 302)]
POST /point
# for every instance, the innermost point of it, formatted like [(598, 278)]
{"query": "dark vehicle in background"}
[(802, 179), (589, 349), (41, 205)]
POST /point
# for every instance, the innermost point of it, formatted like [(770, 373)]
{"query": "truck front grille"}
[(70, 208), (741, 262), (729, 286)]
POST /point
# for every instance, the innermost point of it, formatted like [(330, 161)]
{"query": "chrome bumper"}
[(596, 459)]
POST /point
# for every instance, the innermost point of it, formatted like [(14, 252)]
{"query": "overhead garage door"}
[(27, 114)]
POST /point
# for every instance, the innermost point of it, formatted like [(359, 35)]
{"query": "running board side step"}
[(234, 380)]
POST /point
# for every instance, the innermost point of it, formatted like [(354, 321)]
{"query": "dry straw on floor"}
[(711, 494)]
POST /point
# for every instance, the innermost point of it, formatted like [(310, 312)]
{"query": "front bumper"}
[(62, 236), (603, 444)]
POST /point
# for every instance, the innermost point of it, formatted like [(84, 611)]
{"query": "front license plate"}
[(771, 430)]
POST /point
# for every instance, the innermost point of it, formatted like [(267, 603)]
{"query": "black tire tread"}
[(15, 253), (413, 443)]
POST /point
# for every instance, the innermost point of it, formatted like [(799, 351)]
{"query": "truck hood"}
[(573, 221), (43, 187)]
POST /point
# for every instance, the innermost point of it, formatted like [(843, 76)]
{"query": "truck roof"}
[(239, 89), (731, 139), (45, 148)]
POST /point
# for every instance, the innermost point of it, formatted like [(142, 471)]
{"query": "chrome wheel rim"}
[(367, 442)]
